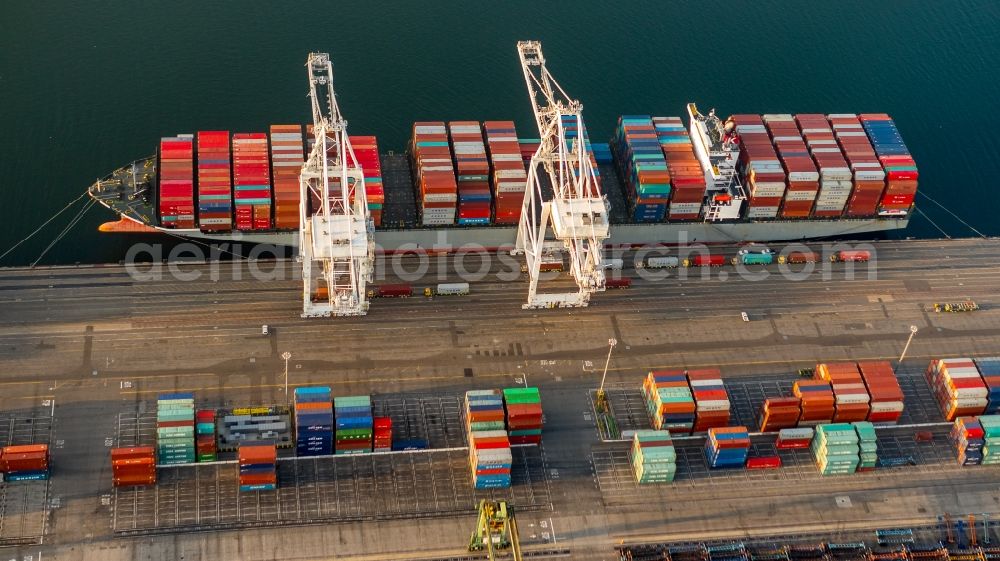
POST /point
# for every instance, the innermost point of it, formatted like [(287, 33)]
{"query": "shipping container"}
[(849, 256), (391, 291), (727, 447), (452, 289), (669, 401), (258, 466), (653, 457), (623, 282), (702, 260), (661, 262), (313, 410), (958, 387), (354, 425), (687, 177), (523, 415)]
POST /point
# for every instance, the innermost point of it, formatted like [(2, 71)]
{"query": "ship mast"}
[(577, 212), (336, 242)]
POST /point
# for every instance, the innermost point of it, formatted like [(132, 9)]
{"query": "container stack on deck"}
[(727, 447), (175, 425), (643, 168), (215, 185), (669, 401), (835, 448), (382, 440), (366, 153), (490, 457), (849, 392), (989, 370), (968, 438), (800, 437), (883, 387), (133, 466), (780, 413), (817, 401), (687, 179), (900, 168), (803, 178), (286, 162), (653, 457), (176, 177), (869, 177), (252, 181), (711, 400), (472, 173), (759, 167), (867, 444), (523, 415), (957, 387), (258, 466), (313, 421), (205, 439), (834, 174), (508, 177), (354, 424), (434, 174), (573, 134), (528, 147), (991, 439), (27, 462)]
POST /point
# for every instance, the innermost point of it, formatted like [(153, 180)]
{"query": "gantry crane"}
[(496, 531), (577, 210), (336, 241)]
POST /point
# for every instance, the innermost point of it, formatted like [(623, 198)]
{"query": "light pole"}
[(913, 331), (286, 355), (611, 346)]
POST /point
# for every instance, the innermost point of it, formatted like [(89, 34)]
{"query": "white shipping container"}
[(872, 175), (851, 398), (702, 383), (962, 393), (800, 195), (762, 212), (453, 288), (886, 406), (713, 405), (661, 262), (685, 208), (803, 176)]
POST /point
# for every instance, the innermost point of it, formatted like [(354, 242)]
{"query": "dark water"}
[(87, 86)]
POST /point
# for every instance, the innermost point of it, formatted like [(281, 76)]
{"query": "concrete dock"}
[(82, 348)]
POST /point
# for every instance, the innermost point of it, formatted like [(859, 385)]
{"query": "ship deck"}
[(84, 348)]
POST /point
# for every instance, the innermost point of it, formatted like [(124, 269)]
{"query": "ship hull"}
[(452, 239)]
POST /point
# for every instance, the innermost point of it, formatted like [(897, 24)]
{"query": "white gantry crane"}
[(336, 242), (577, 211)]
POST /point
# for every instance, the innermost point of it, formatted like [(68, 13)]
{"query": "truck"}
[(856, 256), (797, 257), (624, 282), (660, 263), (705, 261), (964, 306), (452, 289), (391, 291), (753, 259)]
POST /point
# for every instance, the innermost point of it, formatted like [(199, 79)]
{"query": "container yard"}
[(577, 494)]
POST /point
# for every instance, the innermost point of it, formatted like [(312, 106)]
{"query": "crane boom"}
[(336, 242), (577, 211)]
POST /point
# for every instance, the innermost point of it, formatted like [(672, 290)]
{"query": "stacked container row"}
[(258, 466), (850, 394), (835, 176), (354, 424), (508, 177), (653, 457), (434, 174), (957, 387), (883, 387), (215, 184), (800, 437), (133, 466), (867, 444), (968, 437), (472, 173), (176, 177), (759, 167), (382, 440), (252, 181), (900, 168), (576, 131), (643, 168), (780, 413), (523, 409), (687, 178), (287, 151), (835, 448), (528, 147), (727, 447), (869, 177), (27, 462), (803, 178), (989, 370), (991, 439), (817, 400), (490, 458), (205, 440), (710, 397), (175, 424), (669, 402), (367, 156), (313, 410)]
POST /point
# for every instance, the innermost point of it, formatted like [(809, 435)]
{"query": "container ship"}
[(745, 178)]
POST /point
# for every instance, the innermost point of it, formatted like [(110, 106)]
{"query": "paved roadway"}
[(99, 342)]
